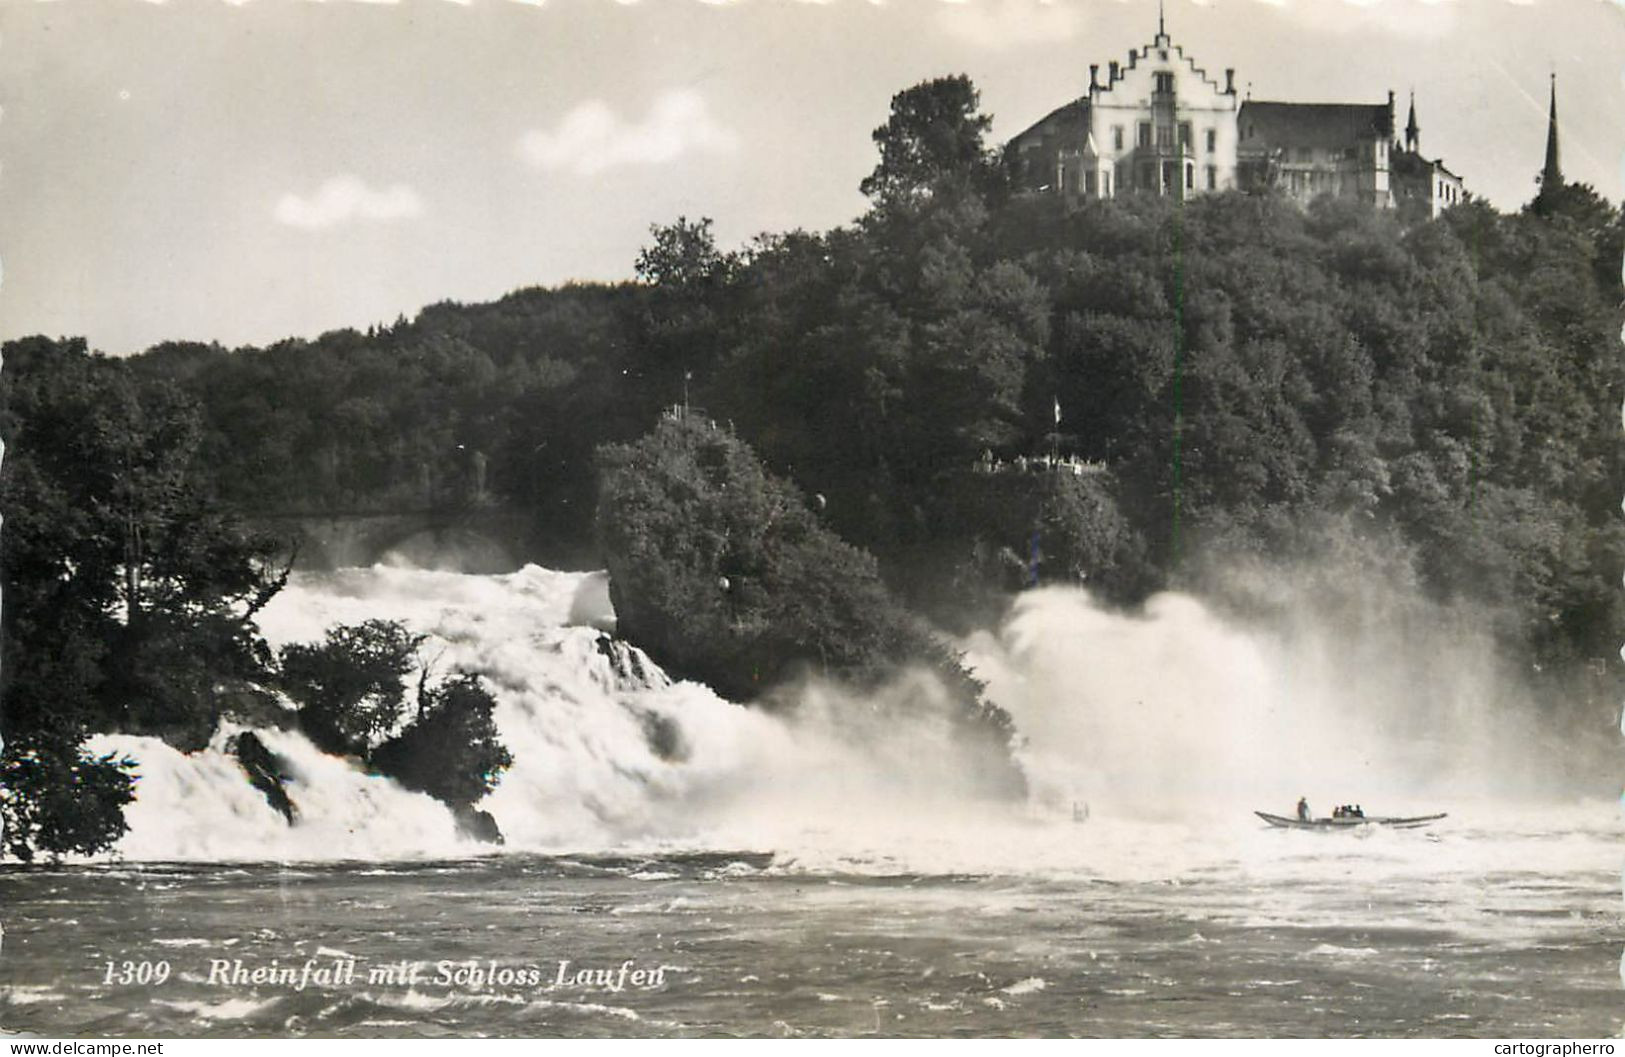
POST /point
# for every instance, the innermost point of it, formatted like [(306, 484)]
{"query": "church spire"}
[(1162, 29), (1413, 133), (1551, 176)]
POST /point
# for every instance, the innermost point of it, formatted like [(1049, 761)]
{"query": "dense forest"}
[(130, 601), (983, 390), (1248, 375), (725, 573)]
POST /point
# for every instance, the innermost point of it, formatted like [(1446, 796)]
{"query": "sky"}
[(246, 172)]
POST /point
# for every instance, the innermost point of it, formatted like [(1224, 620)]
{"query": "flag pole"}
[(1055, 436)]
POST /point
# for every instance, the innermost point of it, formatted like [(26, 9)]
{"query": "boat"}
[(1348, 821)]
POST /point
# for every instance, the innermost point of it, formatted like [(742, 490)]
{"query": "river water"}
[(817, 875), (1471, 932)]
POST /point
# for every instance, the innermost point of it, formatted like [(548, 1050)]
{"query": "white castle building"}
[(1159, 124)]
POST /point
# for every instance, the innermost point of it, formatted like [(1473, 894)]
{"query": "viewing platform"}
[(1067, 464)]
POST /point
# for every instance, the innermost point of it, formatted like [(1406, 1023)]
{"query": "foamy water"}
[(608, 750), (826, 873), (1168, 727)]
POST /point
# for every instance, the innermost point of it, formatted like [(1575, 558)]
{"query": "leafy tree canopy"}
[(932, 144)]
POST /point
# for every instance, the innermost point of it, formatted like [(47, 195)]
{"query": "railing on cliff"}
[(1067, 464)]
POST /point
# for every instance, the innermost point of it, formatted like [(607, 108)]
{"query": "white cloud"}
[(593, 138), (343, 199), (1002, 24)]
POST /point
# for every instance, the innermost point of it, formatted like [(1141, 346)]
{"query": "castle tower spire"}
[(1551, 176), (1162, 29), (1413, 133)]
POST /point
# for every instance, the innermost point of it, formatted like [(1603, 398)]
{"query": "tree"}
[(57, 799), (451, 750), (722, 572), (982, 335), (111, 539), (684, 256), (933, 144), (352, 684), (1594, 217), (129, 598)]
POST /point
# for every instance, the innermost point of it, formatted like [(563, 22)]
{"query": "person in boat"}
[(1303, 809), (1359, 812)]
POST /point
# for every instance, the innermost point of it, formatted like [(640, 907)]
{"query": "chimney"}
[(1111, 71), (1230, 81), (1094, 77)]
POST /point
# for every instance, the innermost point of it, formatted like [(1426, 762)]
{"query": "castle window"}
[(1184, 134), (1212, 140), (1190, 175), (1212, 178), (1089, 184), (1117, 137), (1105, 185), (1165, 136), (1145, 133), (1165, 82)]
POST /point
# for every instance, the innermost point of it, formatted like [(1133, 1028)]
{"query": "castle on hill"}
[(1161, 125)]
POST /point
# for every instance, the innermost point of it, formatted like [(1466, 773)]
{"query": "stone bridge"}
[(478, 539)]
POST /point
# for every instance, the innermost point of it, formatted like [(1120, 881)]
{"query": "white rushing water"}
[(824, 868), (1171, 726), (608, 750)]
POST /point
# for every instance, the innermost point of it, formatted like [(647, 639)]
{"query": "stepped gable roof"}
[(1326, 125), (1163, 42)]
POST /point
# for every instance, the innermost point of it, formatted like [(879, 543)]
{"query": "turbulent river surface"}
[(678, 865), (1479, 933)]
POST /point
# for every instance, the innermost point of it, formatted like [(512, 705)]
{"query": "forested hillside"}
[(1247, 377)]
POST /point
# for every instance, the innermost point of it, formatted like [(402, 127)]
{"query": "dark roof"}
[(1072, 118), (1326, 125), (1404, 163)]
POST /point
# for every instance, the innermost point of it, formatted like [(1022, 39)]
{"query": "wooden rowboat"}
[(1327, 824)]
